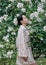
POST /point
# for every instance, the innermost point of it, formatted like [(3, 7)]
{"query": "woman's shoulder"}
[(22, 27)]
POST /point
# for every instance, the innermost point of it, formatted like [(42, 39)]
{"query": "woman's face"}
[(25, 19)]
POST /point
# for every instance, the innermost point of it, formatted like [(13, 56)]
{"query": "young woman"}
[(24, 53)]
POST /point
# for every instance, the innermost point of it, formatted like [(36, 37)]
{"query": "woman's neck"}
[(24, 25)]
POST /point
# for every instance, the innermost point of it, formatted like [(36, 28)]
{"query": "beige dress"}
[(22, 46)]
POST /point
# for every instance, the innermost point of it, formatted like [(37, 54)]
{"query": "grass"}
[(41, 61)]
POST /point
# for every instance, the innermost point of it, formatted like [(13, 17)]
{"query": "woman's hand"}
[(24, 58)]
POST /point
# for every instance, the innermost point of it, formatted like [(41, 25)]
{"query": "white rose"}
[(34, 14), (15, 21), (41, 38), (23, 10), (0, 9), (10, 29), (0, 57), (13, 33), (12, 46), (10, 52), (17, 14), (9, 5), (40, 10), (39, 19), (5, 17), (20, 5), (43, 1), (1, 19), (44, 28), (5, 38), (31, 16), (40, 5), (45, 14), (42, 55), (30, 5), (1, 46)]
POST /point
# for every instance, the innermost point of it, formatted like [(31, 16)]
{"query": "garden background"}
[(35, 11)]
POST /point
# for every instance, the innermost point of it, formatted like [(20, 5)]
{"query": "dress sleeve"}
[(22, 50)]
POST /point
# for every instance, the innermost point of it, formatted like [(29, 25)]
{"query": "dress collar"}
[(23, 26)]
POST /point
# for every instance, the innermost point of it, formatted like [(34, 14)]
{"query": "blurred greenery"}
[(35, 10)]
